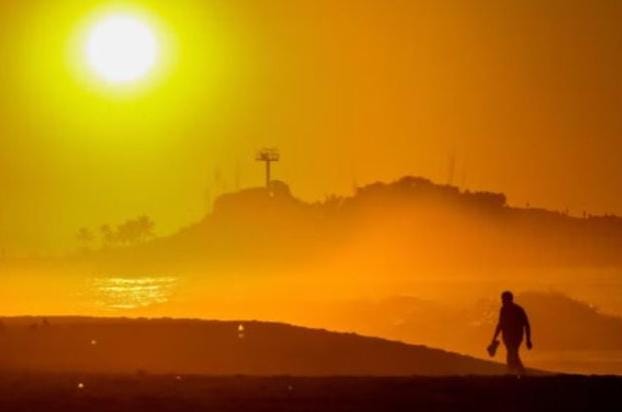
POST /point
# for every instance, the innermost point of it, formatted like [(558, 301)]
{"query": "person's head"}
[(507, 297)]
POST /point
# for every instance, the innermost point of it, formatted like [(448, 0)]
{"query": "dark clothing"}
[(513, 321)]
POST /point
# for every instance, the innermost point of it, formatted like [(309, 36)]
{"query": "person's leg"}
[(515, 365), (520, 368), (511, 356)]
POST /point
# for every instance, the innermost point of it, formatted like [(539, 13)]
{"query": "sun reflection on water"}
[(117, 293)]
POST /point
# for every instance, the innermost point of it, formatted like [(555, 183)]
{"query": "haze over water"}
[(196, 296)]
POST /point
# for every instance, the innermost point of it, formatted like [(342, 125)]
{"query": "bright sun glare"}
[(121, 49)]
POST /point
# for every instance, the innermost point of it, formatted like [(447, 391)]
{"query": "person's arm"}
[(497, 329), (527, 330)]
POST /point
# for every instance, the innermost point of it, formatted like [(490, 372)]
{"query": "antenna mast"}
[(268, 156)]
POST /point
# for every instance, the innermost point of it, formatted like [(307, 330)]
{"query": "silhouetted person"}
[(513, 324)]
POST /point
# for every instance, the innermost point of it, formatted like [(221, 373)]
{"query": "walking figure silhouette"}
[(513, 324)]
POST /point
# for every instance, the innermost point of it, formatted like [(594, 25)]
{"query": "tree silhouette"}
[(130, 232), (85, 237), (135, 231), (108, 236), (145, 227)]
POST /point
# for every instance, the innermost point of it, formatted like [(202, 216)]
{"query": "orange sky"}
[(526, 94)]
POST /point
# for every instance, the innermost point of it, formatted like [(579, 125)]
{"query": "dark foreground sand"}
[(30, 392)]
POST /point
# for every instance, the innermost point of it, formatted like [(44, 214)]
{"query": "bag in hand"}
[(492, 348)]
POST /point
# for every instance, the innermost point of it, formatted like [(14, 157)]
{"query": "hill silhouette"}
[(411, 221), (95, 345)]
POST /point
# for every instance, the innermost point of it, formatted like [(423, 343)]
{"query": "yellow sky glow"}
[(525, 98)]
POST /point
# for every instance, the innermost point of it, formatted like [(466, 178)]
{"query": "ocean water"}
[(125, 293), (156, 295)]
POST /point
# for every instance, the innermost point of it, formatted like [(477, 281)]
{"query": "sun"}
[(121, 49)]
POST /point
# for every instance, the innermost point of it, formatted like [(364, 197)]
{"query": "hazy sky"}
[(525, 94)]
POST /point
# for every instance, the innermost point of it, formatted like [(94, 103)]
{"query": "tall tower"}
[(268, 156)]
